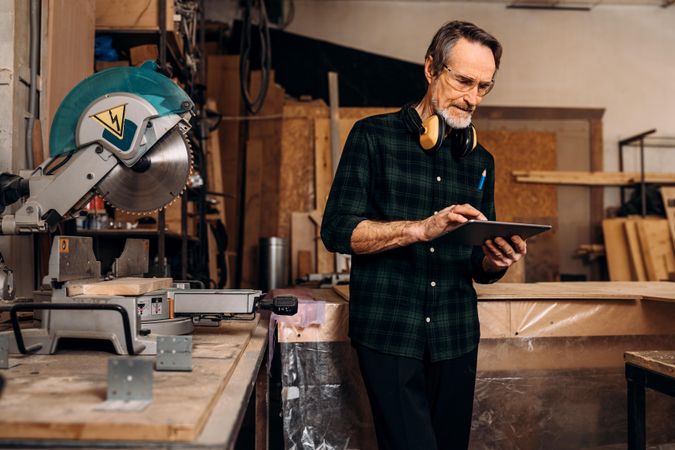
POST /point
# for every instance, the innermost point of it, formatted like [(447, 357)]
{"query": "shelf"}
[(591, 178)]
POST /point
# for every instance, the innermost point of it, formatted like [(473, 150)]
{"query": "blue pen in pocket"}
[(482, 180)]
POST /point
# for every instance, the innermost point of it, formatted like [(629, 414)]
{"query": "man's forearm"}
[(374, 237)]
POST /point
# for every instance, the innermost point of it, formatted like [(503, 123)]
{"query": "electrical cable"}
[(253, 106)]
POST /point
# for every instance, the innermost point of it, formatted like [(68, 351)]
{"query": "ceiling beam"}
[(551, 6)]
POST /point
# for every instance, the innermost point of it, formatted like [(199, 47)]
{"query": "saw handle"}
[(66, 306)]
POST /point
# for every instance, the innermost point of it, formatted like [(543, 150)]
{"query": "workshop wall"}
[(613, 57)]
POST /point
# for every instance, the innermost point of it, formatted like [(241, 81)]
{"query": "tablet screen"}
[(475, 232)]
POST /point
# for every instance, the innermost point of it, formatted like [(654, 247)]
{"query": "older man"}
[(405, 180)]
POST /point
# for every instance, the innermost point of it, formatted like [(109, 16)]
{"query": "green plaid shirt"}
[(409, 299)]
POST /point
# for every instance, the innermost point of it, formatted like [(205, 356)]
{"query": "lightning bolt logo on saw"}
[(112, 119)]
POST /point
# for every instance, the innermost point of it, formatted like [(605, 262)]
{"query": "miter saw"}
[(120, 133)]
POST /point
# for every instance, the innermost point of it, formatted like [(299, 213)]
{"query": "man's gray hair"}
[(448, 35)]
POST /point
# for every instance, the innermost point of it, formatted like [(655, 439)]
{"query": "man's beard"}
[(452, 122)]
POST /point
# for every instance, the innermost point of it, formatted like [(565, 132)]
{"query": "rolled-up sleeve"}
[(349, 195)]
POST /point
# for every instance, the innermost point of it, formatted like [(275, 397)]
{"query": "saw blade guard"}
[(163, 94)]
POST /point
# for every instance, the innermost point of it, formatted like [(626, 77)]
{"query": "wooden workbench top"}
[(56, 396), (586, 290), (659, 361), (610, 290)]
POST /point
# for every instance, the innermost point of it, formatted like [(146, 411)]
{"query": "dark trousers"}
[(418, 404)]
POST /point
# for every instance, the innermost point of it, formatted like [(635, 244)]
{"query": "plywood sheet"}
[(120, 286), (522, 150), (252, 213), (296, 187), (70, 51), (269, 132), (34, 407), (223, 87)]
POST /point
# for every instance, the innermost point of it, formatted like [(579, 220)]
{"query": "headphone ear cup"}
[(463, 141), (433, 133)]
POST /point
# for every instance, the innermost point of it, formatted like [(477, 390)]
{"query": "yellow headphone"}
[(432, 134)]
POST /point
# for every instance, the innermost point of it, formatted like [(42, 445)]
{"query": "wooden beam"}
[(580, 178)]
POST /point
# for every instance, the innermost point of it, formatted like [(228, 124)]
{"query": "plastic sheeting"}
[(325, 405), (561, 407)]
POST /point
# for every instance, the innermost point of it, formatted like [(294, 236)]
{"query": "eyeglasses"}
[(463, 83)]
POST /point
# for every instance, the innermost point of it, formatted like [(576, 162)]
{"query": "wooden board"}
[(578, 178), (656, 248), (133, 15), (656, 291), (33, 405), (303, 240), (269, 132), (223, 87), (342, 290), (658, 361), (323, 173), (296, 187), (120, 286), (252, 213), (637, 262), (616, 249), (668, 195), (323, 165), (69, 56)]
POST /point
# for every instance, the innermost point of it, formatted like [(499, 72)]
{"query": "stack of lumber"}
[(638, 249)]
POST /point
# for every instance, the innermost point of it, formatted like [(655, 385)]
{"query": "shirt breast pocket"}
[(467, 194)]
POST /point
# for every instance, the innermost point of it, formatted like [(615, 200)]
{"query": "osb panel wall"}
[(522, 150), (296, 187)]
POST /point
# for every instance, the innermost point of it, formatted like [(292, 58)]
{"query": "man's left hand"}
[(500, 254)]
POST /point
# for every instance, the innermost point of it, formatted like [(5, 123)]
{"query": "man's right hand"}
[(446, 220)]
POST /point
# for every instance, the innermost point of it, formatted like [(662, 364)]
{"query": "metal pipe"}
[(32, 91), (643, 190)]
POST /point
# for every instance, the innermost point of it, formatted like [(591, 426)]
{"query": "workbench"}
[(649, 369), (52, 400), (550, 367)]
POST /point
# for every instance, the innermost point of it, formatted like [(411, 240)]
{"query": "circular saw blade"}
[(150, 190)]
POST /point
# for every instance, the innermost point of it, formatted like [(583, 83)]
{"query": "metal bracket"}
[(4, 351), (129, 384), (174, 353)]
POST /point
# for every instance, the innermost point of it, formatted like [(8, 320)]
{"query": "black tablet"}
[(475, 232)]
